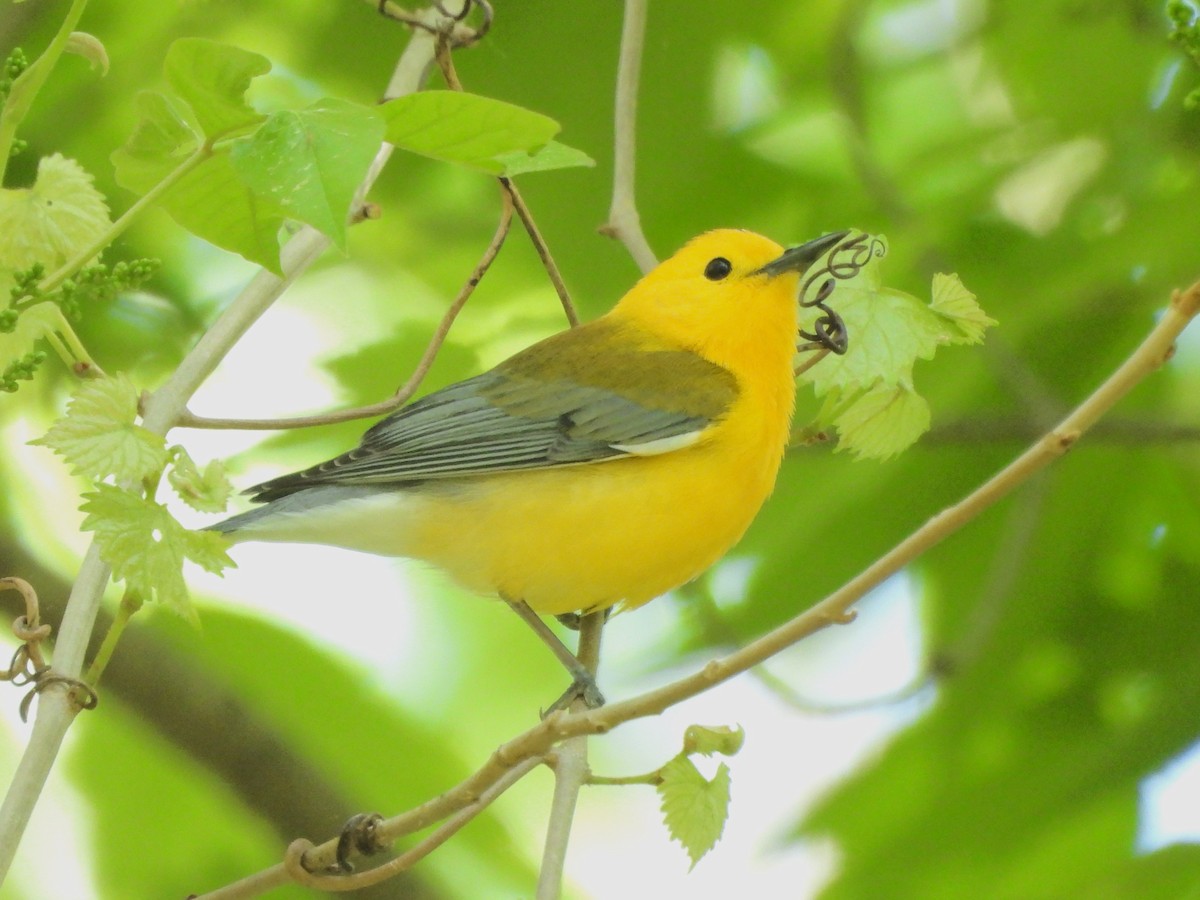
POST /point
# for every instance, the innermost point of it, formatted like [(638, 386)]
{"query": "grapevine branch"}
[(539, 742), (56, 709), (190, 420), (446, 64)]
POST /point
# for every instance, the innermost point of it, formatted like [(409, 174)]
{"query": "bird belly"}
[(588, 537)]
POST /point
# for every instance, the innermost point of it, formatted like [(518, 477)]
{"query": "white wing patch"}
[(661, 445)]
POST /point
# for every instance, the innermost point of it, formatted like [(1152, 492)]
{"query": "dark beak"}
[(798, 259)]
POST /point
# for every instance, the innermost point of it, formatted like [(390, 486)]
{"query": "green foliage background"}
[(1064, 625)]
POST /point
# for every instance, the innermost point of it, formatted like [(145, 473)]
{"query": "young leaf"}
[(309, 163), (161, 139), (212, 79), (210, 201), (953, 302), (710, 739), (694, 808), (60, 216), (868, 392), (552, 156), (98, 437), (465, 128), (206, 491), (146, 547), (883, 421)]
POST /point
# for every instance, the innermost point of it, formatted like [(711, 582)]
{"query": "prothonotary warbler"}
[(599, 467)]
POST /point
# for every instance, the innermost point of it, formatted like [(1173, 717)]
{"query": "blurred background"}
[(1015, 716)]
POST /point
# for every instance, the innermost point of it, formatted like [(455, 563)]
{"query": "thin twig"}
[(295, 860), (570, 773), (624, 223), (56, 709), (190, 420), (445, 62), (560, 726)]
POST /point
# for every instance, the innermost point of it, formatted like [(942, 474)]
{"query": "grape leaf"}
[(98, 436), (953, 302), (868, 393), (53, 221), (146, 547), (694, 808), (710, 739), (206, 491)]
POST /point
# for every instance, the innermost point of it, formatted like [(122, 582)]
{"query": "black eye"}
[(718, 268)]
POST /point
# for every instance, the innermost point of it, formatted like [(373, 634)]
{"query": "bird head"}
[(726, 290)]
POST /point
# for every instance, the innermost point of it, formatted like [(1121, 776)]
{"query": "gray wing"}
[(501, 421)]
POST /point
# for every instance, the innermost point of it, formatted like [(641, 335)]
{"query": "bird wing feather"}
[(544, 407)]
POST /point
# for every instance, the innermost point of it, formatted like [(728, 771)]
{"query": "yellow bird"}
[(599, 467)]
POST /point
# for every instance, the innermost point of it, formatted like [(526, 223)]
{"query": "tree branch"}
[(211, 723), (56, 710), (834, 609), (188, 419), (445, 62), (570, 773), (624, 223)]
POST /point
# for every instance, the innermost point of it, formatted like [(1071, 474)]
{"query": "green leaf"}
[(552, 156), (212, 79), (694, 808), (869, 394), (457, 127), (161, 140), (883, 421), (206, 491), (953, 302), (309, 163), (210, 201), (98, 436), (51, 222), (146, 547), (710, 739)]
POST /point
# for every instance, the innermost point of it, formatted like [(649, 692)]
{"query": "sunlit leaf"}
[(869, 394), (552, 156), (694, 808), (952, 301), (211, 201), (207, 490), (308, 163), (49, 223), (465, 128), (98, 437), (710, 739), (146, 547), (212, 79)]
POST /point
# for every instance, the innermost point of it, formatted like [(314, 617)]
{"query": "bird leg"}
[(575, 620), (583, 685)]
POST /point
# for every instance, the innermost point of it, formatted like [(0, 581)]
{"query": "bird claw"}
[(580, 689)]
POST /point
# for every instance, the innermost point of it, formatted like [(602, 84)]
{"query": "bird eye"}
[(718, 268)]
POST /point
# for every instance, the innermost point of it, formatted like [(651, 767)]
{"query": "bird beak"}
[(798, 259)]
